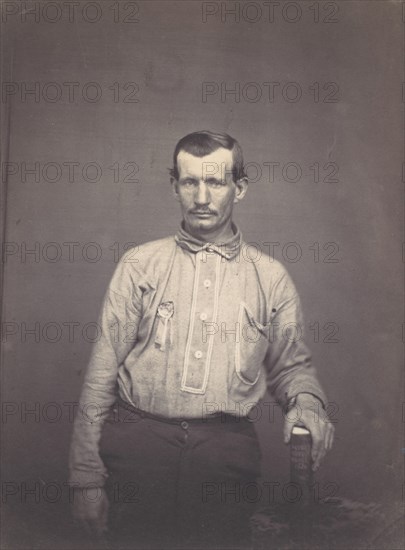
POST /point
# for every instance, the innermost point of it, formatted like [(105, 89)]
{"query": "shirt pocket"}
[(251, 346)]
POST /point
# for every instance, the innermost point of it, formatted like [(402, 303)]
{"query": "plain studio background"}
[(169, 53)]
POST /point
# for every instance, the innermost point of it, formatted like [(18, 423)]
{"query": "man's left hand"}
[(309, 413)]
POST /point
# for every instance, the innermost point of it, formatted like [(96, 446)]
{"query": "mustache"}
[(202, 211)]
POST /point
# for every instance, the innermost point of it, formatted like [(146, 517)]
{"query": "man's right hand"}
[(90, 510)]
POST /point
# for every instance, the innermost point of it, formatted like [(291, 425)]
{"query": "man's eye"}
[(188, 182), (216, 183)]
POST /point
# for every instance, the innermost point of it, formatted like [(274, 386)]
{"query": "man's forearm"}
[(85, 464)]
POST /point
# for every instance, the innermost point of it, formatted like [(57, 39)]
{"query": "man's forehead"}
[(188, 161)]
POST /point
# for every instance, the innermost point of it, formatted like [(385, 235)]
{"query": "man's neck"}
[(219, 236)]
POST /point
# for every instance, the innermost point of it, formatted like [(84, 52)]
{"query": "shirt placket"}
[(203, 320)]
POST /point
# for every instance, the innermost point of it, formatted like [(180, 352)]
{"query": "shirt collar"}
[(228, 249)]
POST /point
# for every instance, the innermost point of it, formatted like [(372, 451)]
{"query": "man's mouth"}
[(202, 213)]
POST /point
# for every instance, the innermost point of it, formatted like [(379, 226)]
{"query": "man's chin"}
[(202, 225)]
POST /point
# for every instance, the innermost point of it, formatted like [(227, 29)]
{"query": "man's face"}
[(206, 191)]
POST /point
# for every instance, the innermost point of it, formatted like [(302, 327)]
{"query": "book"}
[(301, 475)]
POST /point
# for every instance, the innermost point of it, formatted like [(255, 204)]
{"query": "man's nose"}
[(202, 195)]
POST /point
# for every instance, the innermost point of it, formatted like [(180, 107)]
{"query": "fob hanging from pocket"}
[(164, 313)]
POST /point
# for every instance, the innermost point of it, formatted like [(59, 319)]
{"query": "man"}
[(193, 333)]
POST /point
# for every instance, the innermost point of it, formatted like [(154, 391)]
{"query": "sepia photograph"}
[(202, 275)]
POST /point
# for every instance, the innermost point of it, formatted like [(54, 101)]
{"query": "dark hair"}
[(205, 142)]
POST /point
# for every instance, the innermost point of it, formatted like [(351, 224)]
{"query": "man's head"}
[(208, 179)]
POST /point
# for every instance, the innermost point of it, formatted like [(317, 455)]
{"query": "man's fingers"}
[(316, 442), (318, 459), (288, 426), (87, 527), (332, 437), (292, 418), (96, 526), (104, 518), (92, 515), (329, 437), (92, 525), (318, 449), (322, 437), (82, 523)]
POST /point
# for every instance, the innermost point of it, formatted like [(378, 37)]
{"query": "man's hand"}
[(90, 510), (307, 412)]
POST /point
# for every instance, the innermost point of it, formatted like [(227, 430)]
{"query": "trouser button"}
[(184, 425)]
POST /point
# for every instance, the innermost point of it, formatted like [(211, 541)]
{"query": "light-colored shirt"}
[(188, 329)]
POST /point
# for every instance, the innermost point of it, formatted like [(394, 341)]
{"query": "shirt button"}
[(207, 283), (198, 354), (184, 425), (203, 316)]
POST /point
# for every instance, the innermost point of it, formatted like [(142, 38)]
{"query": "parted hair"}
[(203, 143)]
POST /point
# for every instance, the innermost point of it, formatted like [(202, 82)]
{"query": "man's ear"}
[(174, 184), (241, 189)]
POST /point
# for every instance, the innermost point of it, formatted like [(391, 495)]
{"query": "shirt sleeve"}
[(288, 360), (118, 327)]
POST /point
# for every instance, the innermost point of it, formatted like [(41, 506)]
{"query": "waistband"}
[(217, 418)]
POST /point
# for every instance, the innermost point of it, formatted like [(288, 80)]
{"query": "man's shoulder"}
[(142, 265), (272, 275), (150, 254), (150, 248), (259, 257)]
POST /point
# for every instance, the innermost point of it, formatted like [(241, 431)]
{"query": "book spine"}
[(301, 465)]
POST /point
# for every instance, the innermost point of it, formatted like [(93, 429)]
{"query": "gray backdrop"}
[(347, 67)]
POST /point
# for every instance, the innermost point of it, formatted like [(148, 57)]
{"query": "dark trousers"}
[(179, 483)]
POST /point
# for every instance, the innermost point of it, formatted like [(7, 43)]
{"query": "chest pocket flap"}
[(251, 346)]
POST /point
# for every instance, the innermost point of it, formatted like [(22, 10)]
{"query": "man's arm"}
[(291, 376), (118, 322)]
